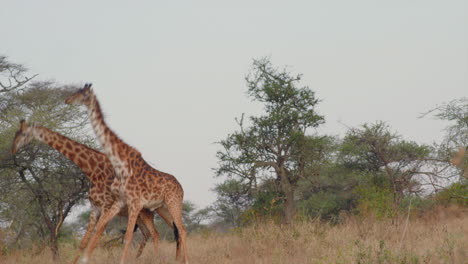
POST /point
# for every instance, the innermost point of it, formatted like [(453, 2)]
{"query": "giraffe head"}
[(81, 97), (22, 137)]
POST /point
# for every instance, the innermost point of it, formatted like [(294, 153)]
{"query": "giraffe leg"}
[(101, 226), (175, 209), (147, 217), (146, 234), (134, 209), (166, 216), (93, 218)]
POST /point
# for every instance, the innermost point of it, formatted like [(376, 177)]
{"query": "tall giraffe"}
[(139, 185), (99, 171)]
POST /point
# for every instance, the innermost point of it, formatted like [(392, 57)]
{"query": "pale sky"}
[(170, 74)]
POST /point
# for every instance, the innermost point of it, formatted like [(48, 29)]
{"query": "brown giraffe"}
[(139, 185), (459, 160), (97, 168)]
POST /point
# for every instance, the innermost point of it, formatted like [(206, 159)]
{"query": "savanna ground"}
[(440, 236)]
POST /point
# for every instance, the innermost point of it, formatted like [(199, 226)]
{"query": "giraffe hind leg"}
[(147, 218), (179, 231), (145, 234), (177, 238), (164, 213)]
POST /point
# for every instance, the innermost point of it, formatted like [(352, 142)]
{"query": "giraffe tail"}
[(176, 235)]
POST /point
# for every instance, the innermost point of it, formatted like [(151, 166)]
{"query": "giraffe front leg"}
[(106, 216), (93, 218), (134, 209)]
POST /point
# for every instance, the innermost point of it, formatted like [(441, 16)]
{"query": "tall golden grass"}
[(439, 237)]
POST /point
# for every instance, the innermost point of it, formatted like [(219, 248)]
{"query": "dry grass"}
[(441, 237)]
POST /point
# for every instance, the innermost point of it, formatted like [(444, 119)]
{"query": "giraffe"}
[(139, 185), (99, 171), (459, 160)]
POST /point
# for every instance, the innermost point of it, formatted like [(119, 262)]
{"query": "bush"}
[(376, 201), (326, 205), (267, 205), (457, 194)]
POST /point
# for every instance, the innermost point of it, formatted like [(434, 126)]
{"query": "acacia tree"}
[(455, 112), (39, 186), (12, 75), (455, 142), (452, 150), (375, 150), (268, 147)]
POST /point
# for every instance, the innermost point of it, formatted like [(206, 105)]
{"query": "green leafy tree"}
[(389, 162), (452, 150), (12, 76), (455, 142), (39, 186), (329, 187), (456, 113), (269, 147)]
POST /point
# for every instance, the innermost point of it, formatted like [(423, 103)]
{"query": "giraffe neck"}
[(113, 146), (84, 157)]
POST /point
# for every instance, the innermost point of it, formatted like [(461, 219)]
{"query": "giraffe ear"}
[(23, 125)]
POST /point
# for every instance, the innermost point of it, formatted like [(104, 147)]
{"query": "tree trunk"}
[(289, 209), (54, 246)]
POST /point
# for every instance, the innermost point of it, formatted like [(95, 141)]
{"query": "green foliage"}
[(288, 108), (456, 193), (39, 185), (329, 191), (456, 113), (271, 147), (326, 205), (66, 234), (390, 161), (371, 171), (194, 217), (452, 150), (375, 201), (373, 146), (233, 198), (267, 203)]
